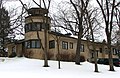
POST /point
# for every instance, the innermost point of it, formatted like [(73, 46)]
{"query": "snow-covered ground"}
[(32, 68)]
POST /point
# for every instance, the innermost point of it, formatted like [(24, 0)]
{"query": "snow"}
[(33, 68)]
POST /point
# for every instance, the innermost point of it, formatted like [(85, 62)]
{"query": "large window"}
[(33, 27), (64, 45), (51, 44), (32, 44)]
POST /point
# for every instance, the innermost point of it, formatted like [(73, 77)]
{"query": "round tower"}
[(36, 23)]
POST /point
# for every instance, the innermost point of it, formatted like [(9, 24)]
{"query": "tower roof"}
[(38, 11)]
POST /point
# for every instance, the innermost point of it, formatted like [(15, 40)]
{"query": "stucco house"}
[(30, 47)]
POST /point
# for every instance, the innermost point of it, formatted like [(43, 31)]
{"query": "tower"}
[(36, 23)]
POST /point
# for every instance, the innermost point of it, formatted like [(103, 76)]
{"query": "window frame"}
[(51, 44), (71, 45), (29, 44), (33, 27), (64, 45)]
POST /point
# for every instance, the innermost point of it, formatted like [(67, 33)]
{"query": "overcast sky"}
[(14, 4)]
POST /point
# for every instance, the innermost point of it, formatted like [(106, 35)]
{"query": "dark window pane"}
[(52, 44), (29, 27), (28, 44), (38, 26), (32, 44), (26, 29), (33, 27), (100, 50), (37, 44)]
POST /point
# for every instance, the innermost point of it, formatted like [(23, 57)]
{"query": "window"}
[(92, 55), (39, 26), (27, 44), (106, 51), (97, 52), (45, 25), (64, 45), (71, 45), (37, 44), (100, 50), (13, 49), (33, 27), (51, 44), (27, 27), (114, 51), (32, 44), (82, 48)]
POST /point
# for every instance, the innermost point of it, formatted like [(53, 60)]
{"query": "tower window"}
[(32, 44), (33, 27)]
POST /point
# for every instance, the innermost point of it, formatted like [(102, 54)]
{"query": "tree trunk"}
[(45, 48), (110, 58), (59, 57), (77, 57)]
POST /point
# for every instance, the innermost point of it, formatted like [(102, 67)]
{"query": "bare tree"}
[(46, 6), (91, 18), (73, 20), (107, 7), (80, 8)]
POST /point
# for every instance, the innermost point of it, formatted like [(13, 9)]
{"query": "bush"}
[(50, 55), (28, 54), (82, 59), (13, 54), (72, 58), (63, 57)]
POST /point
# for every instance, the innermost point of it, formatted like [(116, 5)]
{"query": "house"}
[(34, 42)]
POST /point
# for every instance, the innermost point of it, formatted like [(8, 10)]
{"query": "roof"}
[(60, 34), (41, 10), (71, 36)]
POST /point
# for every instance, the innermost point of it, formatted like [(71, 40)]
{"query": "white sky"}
[(14, 4)]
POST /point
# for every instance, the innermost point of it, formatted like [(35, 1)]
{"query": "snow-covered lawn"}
[(32, 68)]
